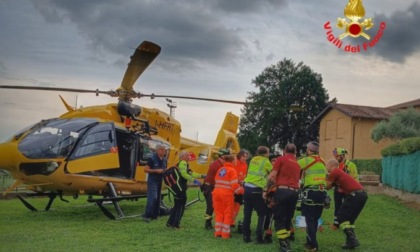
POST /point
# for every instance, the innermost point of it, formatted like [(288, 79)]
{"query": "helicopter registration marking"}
[(165, 125)]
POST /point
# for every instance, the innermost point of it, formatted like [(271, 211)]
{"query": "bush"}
[(368, 166), (406, 146)]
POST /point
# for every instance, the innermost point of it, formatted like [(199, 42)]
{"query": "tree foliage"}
[(289, 97), (403, 124)]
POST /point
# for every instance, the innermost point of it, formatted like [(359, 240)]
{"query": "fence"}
[(402, 172)]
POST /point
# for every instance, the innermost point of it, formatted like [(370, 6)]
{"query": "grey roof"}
[(358, 111), (414, 104)]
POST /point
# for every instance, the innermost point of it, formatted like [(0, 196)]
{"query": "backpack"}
[(173, 180)]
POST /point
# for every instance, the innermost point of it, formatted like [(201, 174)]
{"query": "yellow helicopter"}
[(102, 150)]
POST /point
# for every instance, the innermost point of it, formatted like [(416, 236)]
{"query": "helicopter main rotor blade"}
[(117, 93), (55, 89), (195, 98), (145, 53)]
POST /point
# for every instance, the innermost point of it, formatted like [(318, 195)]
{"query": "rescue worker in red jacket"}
[(348, 167), (241, 170), (226, 186), (285, 176), (354, 201), (208, 185)]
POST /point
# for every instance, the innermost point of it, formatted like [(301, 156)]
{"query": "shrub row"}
[(404, 147), (368, 166)]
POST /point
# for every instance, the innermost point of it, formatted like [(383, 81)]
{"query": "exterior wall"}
[(362, 145), (338, 130), (334, 131)]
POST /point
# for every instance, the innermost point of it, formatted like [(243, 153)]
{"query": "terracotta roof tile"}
[(415, 104), (358, 111), (364, 111)]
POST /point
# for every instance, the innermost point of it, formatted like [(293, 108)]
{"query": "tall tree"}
[(289, 97), (403, 124)]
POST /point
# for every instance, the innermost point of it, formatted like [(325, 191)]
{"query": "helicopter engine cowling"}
[(128, 109)]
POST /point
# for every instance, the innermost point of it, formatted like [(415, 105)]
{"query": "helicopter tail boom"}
[(226, 138)]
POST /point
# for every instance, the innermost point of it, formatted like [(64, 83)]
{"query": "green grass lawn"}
[(384, 225)]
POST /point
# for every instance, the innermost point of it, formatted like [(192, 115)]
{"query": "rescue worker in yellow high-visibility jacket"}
[(314, 193), (255, 183), (226, 185)]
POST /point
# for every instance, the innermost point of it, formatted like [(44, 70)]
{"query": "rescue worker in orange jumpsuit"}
[(226, 186), (241, 170), (208, 185)]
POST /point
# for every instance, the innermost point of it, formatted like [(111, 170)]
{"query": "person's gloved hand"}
[(203, 176), (238, 198), (196, 182)]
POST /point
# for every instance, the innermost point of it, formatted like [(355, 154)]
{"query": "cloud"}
[(401, 37), (3, 68), (191, 35), (246, 6)]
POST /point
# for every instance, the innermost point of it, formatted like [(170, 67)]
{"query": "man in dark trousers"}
[(255, 182), (154, 168), (285, 176), (180, 198), (348, 167), (208, 186), (354, 201), (314, 175)]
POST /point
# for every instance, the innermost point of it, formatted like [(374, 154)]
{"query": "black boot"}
[(351, 241), (284, 245), (260, 239), (247, 236), (268, 238), (292, 236), (239, 227), (208, 224)]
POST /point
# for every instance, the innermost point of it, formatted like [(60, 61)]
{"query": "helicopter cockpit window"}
[(99, 139), (54, 139), (148, 147), (203, 156)]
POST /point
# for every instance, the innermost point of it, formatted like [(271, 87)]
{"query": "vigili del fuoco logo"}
[(352, 27)]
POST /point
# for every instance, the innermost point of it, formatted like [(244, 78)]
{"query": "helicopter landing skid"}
[(198, 199), (115, 198), (100, 203), (51, 195)]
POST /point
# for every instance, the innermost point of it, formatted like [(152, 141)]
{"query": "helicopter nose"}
[(8, 156)]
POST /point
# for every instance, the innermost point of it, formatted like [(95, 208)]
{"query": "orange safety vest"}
[(226, 178)]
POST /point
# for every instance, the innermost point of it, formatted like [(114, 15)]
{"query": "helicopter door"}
[(97, 150)]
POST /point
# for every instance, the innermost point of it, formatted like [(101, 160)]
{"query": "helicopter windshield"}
[(54, 139)]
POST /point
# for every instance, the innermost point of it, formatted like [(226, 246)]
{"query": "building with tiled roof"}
[(349, 126), (415, 104)]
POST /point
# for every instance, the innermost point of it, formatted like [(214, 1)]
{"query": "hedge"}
[(406, 146), (368, 166)]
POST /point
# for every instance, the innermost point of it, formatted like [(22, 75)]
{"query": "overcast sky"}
[(210, 48)]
